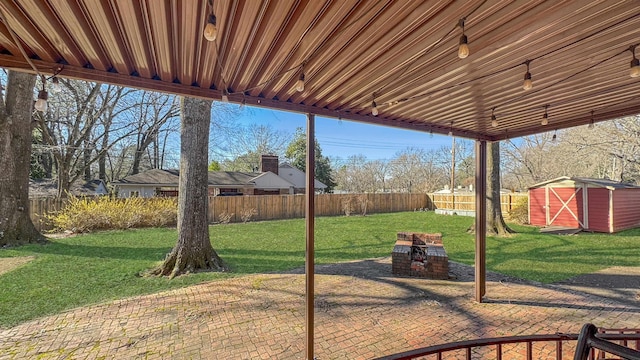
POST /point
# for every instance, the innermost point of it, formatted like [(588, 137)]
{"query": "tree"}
[(247, 162), (224, 128), (246, 145), (214, 166), (193, 251), (153, 111), (297, 154), (68, 127), (495, 221), (16, 107), (464, 167), (41, 161), (608, 150), (416, 170), (348, 175), (537, 158)]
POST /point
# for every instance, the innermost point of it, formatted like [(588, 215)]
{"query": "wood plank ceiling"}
[(402, 52)]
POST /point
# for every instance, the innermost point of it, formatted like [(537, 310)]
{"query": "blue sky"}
[(342, 138)]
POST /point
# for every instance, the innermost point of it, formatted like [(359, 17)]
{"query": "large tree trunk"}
[(193, 251), (495, 221), (16, 227), (63, 182), (87, 160), (102, 166), (47, 164), (102, 157)]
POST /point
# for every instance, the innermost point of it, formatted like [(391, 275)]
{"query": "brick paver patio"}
[(362, 311)]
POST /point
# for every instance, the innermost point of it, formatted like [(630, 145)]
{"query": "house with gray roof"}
[(159, 182), (298, 178), (273, 179)]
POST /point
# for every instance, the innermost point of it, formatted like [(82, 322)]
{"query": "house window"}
[(134, 193), (228, 190), (167, 193)]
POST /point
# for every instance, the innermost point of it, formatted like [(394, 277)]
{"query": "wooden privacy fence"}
[(269, 207), (467, 202)]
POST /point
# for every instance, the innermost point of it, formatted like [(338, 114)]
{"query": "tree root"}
[(178, 263), (500, 231)]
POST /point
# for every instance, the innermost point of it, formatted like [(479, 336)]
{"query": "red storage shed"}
[(591, 204)]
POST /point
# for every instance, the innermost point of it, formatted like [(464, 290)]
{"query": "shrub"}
[(520, 211), (225, 217), (83, 214), (347, 205), (363, 200), (352, 203), (247, 214)]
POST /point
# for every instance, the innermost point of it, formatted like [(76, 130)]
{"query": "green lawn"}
[(98, 267)]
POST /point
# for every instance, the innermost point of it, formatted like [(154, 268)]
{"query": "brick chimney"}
[(269, 163)]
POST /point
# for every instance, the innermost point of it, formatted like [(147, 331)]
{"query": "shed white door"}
[(566, 206)]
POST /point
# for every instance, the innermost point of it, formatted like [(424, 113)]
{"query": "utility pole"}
[(453, 172)]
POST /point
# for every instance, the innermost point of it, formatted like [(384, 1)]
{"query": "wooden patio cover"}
[(400, 54)]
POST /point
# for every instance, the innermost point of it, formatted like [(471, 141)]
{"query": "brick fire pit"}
[(420, 255)]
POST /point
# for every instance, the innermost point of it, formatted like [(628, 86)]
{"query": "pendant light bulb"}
[(591, 122), (634, 72), (41, 103), (463, 48), (210, 30), (527, 84), (494, 121), (545, 120), (55, 85), (554, 137), (374, 108), (300, 83), (545, 117)]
